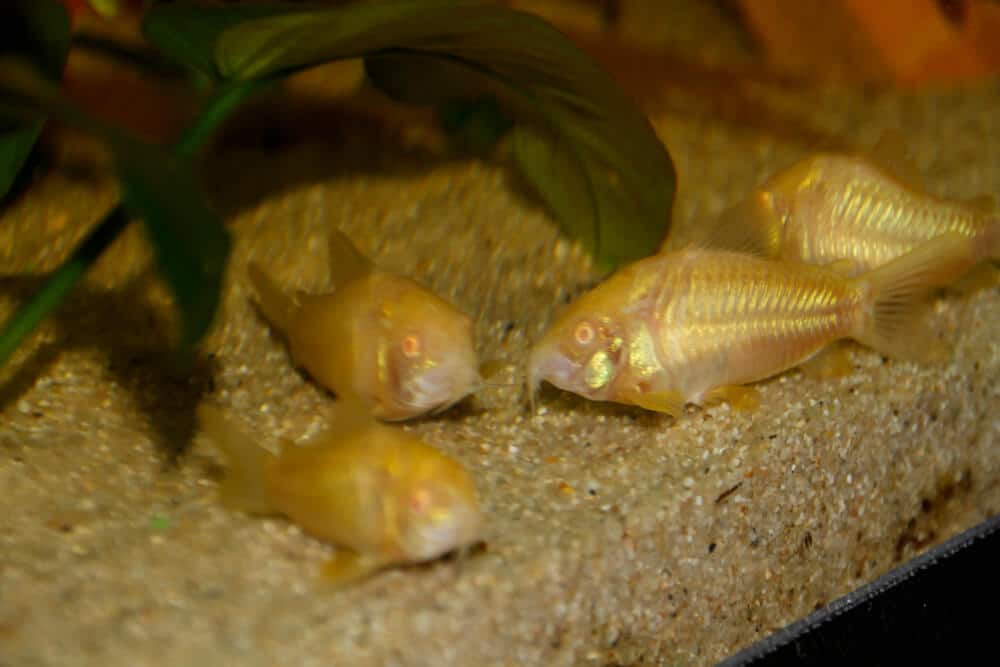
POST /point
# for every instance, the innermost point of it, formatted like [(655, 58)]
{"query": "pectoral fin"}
[(349, 567), (739, 397), (985, 204), (666, 402), (833, 362), (892, 153)]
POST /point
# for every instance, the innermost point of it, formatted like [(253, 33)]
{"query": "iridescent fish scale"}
[(742, 308), (836, 207)]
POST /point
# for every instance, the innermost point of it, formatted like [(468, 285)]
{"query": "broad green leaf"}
[(39, 30), (589, 151), (191, 244), (475, 124), (188, 33), (159, 187)]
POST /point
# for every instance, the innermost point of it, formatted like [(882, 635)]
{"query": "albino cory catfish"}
[(384, 497), (378, 337), (842, 210), (692, 326)]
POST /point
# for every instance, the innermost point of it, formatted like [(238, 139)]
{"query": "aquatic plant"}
[(589, 153)]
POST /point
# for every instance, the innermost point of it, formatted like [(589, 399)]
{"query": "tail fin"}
[(898, 292), (243, 488), (277, 306)]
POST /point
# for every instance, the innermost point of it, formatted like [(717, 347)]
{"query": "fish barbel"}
[(843, 210), (384, 497), (694, 325), (378, 337)]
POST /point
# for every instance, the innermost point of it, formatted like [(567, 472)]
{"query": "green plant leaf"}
[(188, 33), (581, 143), (192, 245), (159, 186), (39, 30)]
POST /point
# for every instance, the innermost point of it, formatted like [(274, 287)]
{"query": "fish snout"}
[(548, 364), (462, 526), (438, 388)]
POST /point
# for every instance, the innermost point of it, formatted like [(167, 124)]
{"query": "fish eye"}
[(421, 501), (584, 333), (411, 346)]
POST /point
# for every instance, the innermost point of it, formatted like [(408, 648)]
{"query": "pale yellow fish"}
[(692, 326), (379, 337), (844, 210), (384, 497)]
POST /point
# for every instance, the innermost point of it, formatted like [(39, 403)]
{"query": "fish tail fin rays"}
[(244, 487), (898, 294), (347, 264), (277, 306)]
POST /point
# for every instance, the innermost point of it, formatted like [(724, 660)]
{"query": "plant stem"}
[(63, 279), (223, 103)]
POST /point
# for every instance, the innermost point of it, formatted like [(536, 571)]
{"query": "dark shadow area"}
[(660, 79), (936, 609), (357, 136), (37, 163), (133, 338)]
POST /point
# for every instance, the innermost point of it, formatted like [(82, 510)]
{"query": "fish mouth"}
[(462, 528), (547, 364), (436, 401)]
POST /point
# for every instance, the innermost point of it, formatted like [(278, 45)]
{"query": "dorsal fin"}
[(346, 261), (985, 204), (892, 154), (348, 414), (278, 308), (750, 226)]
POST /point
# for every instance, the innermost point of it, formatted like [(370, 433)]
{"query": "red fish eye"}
[(420, 501), (584, 333), (411, 347)]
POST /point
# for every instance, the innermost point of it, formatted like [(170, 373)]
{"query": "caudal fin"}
[(898, 297), (243, 488), (277, 306)]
